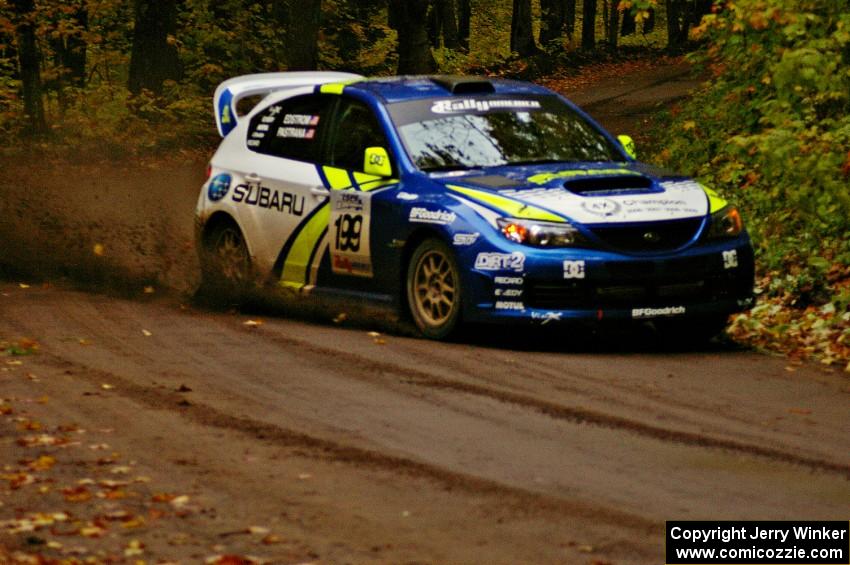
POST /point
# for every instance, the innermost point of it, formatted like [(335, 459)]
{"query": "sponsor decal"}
[(601, 206), (546, 317), (300, 120), (574, 269), (267, 119), (730, 259), (426, 216), (500, 261), (406, 196), (469, 105), (509, 305), (219, 187), (669, 311), (289, 132), (253, 143), (509, 280), (349, 233), (265, 197), (508, 292), (466, 238)]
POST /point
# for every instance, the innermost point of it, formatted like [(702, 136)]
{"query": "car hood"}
[(588, 194)]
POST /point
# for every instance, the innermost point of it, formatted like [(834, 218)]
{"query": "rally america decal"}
[(470, 105), (349, 233)]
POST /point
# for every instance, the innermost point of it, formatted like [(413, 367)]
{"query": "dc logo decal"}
[(219, 187)]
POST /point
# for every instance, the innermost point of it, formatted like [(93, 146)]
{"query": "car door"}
[(350, 242), (282, 188)]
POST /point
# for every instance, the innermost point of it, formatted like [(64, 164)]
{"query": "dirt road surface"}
[(143, 427)]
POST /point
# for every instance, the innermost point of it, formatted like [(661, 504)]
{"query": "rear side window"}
[(292, 129), (357, 129)]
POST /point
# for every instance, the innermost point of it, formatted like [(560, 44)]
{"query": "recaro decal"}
[(508, 206)]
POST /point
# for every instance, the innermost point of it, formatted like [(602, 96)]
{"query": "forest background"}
[(110, 80)]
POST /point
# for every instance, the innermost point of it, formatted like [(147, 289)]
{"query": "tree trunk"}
[(570, 17), (588, 25), (448, 23), (414, 53), (629, 25), (302, 35), (673, 32), (552, 20), (464, 23), (649, 22), (153, 58), (70, 48), (522, 35), (613, 24), (28, 59)]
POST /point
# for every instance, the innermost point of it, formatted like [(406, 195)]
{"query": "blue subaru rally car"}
[(460, 200)]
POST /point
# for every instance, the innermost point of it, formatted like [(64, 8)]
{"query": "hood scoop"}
[(493, 181), (611, 185)]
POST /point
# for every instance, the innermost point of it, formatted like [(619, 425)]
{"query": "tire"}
[(434, 289), (225, 265)]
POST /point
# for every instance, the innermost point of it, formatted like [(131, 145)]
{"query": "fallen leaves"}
[(779, 323)]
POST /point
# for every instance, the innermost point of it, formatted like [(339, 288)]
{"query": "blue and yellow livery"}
[(458, 200)]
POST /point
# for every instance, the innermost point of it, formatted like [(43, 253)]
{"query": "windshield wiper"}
[(445, 168), (537, 162)]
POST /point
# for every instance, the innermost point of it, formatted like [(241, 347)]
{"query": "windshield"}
[(463, 133)]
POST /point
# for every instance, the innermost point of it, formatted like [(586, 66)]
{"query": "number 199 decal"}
[(349, 233), (348, 229)]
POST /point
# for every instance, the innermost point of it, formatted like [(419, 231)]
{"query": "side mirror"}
[(629, 145), (377, 162)]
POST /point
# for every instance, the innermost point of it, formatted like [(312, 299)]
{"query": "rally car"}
[(459, 199)]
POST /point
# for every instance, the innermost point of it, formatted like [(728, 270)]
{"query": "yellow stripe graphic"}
[(543, 178), (510, 207), (295, 267), (715, 201)]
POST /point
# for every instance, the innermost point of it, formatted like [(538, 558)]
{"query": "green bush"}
[(772, 128)]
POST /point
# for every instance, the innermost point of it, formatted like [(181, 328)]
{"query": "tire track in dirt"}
[(367, 369), (520, 500)]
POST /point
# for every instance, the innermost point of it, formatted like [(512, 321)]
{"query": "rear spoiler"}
[(230, 92)]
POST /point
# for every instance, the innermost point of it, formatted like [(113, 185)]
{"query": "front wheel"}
[(434, 289)]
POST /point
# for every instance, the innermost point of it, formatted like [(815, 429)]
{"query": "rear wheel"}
[(433, 289), (225, 264)]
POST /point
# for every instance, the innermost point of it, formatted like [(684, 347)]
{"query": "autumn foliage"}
[(771, 129)]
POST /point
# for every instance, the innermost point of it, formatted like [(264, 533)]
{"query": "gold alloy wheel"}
[(434, 289)]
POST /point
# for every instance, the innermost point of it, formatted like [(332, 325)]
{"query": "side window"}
[(356, 129), (292, 129)]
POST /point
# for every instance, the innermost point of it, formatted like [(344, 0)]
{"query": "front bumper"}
[(585, 285)]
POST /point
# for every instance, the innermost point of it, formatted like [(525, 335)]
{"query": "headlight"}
[(725, 223), (540, 234)]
